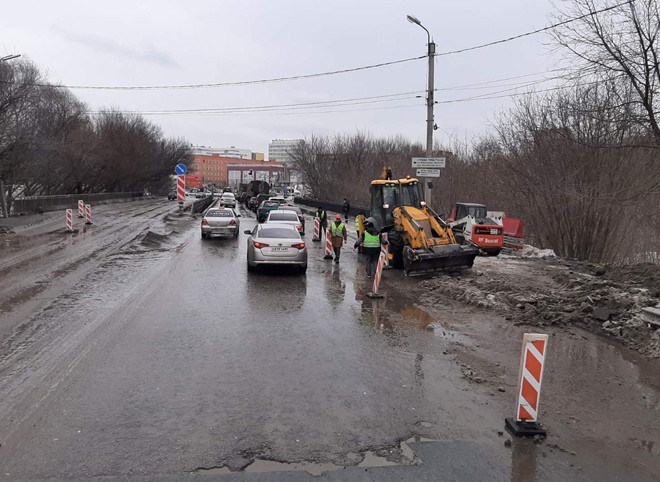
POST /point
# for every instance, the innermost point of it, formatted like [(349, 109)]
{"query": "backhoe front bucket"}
[(437, 258)]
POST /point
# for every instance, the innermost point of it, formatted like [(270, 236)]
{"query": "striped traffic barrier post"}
[(81, 208), (181, 192), (328, 245), (530, 378), (317, 229), (69, 220), (379, 272), (88, 214), (386, 251)]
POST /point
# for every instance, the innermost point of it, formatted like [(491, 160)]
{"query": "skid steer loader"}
[(420, 242), (472, 225)]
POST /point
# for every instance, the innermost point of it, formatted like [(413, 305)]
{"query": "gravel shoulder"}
[(555, 292)]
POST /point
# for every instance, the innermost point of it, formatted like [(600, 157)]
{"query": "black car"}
[(171, 196)]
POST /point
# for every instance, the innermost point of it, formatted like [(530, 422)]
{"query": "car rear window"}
[(293, 210), (219, 214), (282, 233), (283, 217)]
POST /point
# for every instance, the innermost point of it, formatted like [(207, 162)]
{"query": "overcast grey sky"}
[(166, 42)]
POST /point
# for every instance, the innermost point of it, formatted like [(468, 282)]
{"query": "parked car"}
[(284, 217), (171, 196), (221, 222), (264, 208), (228, 199), (275, 244), (298, 212)]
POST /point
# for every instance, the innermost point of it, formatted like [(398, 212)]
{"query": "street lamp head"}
[(412, 19), (9, 57)]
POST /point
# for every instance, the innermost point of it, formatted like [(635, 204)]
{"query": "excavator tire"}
[(396, 248)]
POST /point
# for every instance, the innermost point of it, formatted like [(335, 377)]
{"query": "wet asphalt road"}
[(165, 357)]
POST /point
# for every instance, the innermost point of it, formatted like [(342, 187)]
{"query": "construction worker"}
[(339, 235), (359, 227), (371, 241), (346, 208), (323, 221)]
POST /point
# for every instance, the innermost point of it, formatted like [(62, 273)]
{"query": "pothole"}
[(368, 459)]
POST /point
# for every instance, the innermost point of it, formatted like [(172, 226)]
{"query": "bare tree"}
[(617, 42)]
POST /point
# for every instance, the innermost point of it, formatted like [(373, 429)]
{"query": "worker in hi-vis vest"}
[(339, 235), (371, 241), (323, 221), (359, 227)]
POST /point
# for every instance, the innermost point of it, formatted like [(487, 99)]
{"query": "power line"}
[(306, 105), (533, 32), (332, 72), (240, 83)]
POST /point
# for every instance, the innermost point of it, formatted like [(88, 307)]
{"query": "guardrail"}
[(35, 204), (328, 206), (201, 204)]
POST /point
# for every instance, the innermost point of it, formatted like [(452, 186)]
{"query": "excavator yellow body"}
[(420, 241)]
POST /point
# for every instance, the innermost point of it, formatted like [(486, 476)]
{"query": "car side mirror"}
[(238, 215), (247, 232)]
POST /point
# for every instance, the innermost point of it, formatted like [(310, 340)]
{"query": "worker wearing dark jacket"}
[(371, 241), (323, 221)]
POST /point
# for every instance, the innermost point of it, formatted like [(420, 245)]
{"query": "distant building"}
[(280, 150), (222, 152), (257, 156), (230, 171)]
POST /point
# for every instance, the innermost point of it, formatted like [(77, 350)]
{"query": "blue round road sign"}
[(180, 169)]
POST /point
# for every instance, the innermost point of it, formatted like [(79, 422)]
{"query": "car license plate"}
[(494, 231), (280, 249)]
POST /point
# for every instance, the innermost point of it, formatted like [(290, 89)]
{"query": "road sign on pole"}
[(180, 169), (429, 162), (428, 173)]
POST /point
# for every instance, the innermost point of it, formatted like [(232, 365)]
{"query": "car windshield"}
[(280, 233), (283, 217), (219, 214), (269, 205)]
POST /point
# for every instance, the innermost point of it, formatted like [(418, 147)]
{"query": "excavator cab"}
[(420, 242)]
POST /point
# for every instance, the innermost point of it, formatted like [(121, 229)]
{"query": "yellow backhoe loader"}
[(420, 241)]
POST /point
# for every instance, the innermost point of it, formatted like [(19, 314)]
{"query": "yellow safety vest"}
[(338, 231), (371, 241)]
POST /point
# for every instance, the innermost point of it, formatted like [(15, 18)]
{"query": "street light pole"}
[(430, 102), (3, 199)]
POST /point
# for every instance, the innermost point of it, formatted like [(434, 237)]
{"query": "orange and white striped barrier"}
[(379, 272), (529, 386), (88, 214), (328, 246), (385, 248), (81, 208), (69, 220), (317, 229)]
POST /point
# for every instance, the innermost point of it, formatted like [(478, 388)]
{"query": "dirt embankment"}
[(541, 292)]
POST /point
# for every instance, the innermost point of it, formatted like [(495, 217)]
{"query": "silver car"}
[(275, 244), (221, 222), (280, 216)]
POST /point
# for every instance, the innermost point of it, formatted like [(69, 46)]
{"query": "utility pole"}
[(430, 102)]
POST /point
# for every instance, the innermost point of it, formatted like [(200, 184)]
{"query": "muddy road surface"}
[(134, 348)]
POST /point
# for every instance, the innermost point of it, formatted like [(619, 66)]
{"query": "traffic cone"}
[(328, 246)]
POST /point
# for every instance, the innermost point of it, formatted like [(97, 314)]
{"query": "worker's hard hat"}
[(370, 220), (337, 216)]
